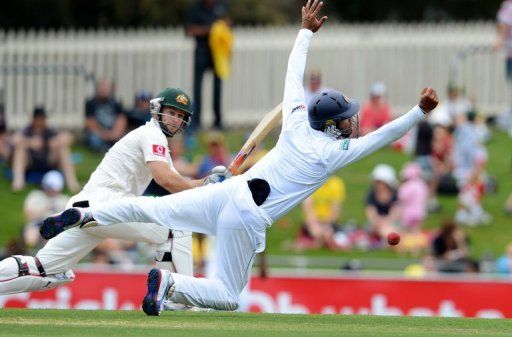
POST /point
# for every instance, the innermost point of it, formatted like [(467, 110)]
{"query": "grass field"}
[(69, 323), (486, 239)]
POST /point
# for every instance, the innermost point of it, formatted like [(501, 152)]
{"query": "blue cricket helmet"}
[(328, 107)]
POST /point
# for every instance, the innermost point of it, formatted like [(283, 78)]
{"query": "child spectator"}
[(382, 210), (504, 263), (471, 211), (42, 203), (413, 198)]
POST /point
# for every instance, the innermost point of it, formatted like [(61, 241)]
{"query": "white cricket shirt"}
[(123, 169), (304, 158)]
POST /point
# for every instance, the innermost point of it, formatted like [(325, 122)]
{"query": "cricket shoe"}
[(160, 286), (72, 217)]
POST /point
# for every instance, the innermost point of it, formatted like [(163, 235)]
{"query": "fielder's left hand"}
[(428, 100), (219, 174)]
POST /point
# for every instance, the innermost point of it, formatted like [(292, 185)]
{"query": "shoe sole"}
[(53, 226), (150, 303)]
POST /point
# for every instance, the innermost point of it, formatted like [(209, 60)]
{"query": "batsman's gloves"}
[(219, 174)]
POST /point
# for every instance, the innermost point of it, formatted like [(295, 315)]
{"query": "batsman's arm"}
[(169, 179)]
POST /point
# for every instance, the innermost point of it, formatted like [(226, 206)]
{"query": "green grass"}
[(490, 239), (70, 323)]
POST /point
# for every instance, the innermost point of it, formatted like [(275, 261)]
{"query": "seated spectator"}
[(413, 198), (382, 209), (470, 211), (5, 150), (39, 204), (468, 150), (321, 214), (140, 114), (217, 154), (507, 207), (504, 263), (453, 110), (105, 120), (113, 251), (14, 246), (450, 247), (442, 181), (39, 149), (314, 85), (180, 162), (376, 112)]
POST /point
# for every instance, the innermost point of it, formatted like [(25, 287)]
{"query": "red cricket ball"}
[(393, 238)]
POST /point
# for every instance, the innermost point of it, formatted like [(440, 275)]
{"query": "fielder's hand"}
[(219, 174), (428, 100), (309, 13)]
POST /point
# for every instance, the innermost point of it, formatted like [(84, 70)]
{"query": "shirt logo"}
[(344, 144), (158, 150), (299, 107), (182, 99)]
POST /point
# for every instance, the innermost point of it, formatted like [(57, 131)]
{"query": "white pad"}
[(12, 283), (180, 249)]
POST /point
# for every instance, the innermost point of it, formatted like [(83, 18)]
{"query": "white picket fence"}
[(52, 68)]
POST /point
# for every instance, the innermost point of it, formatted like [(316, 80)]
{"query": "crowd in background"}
[(447, 155)]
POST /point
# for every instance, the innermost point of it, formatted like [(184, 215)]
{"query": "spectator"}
[(507, 207), (413, 197), (451, 248), (454, 109), (105, 120), (504, 36), (321, 213), (314, 86), (382, 210), (5, 150), (471, 211), (376, 112), (13, 247), (217, 154), (504, 263), (140, 113), (39, 149), (200, 19), (442, 162), (42, 203), (468, 151), (182, 164)]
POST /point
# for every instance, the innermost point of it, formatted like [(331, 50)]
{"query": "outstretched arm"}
[(294, 89), (346, 151)]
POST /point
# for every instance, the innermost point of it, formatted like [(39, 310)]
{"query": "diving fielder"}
[(125, 171), (314, 143)]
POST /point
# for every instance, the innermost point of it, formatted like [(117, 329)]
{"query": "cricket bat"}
[(269, 121)]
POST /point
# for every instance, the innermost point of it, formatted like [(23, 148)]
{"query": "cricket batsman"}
[(314, 143), (125, 171)]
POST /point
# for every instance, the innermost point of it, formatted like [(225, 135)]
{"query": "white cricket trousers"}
[(226, 210)]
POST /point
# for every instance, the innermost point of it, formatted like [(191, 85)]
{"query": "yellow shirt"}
[(332, 192), (221, 44)]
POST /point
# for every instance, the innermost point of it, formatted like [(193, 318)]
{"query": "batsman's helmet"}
[(328, 108), (176, 98)]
